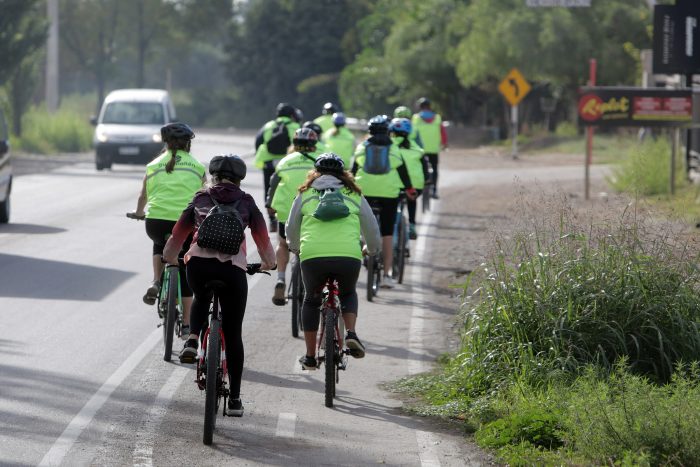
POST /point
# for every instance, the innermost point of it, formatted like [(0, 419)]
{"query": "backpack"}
[(377, 159), (279, 140), (331, 206), (222, 229)]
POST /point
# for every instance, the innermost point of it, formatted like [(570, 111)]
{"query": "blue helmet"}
[(401, 126), (339, 119), (379, 124)]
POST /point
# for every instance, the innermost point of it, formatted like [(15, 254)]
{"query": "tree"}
[(23, 31)]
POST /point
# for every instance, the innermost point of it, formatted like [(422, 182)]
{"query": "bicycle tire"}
[(294, 289), (212, 386), (330, 360), (370, 278), (426, 197), (401, 250), (377, 275), (298, 292), (170, 315)]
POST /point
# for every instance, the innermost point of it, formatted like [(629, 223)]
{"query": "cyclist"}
[(428, 126), (272, 143), (404, 112), (330, 247), (339, 140), (204, 265), (170, 181), (382, 173), (320, 146), (412, 154), (326, 117), (290, 173)]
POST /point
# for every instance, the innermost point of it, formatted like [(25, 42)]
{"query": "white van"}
[(127, 129)]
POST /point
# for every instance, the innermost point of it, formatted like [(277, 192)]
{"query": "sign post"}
[(514, 88), (592, 69)]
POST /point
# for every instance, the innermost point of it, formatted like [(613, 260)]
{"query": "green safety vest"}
[(325, 122), (430, 133), (380, 186), (341, 143), (413, 157), (292, 172), (262, 155), (336, 238), (170, 193)]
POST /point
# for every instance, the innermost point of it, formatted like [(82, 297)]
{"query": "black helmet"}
[(177, 130), (285, 110), (379, 124), (423, 102), (314, 126), (228, 166), (305, 137), (330, 163), (298, 115), (329, 108)]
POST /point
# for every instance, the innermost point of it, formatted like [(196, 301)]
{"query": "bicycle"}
[(374, 266), (400, 240), (334, 356), (212, 370), (295, 293), (169, 302), (427, 189)]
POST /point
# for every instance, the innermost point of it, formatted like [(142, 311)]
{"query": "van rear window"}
[(134, 113)]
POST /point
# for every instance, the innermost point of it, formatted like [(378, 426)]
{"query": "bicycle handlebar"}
[(132, 215), (254, 268)]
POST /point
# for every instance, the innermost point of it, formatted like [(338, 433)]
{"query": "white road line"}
[(427, 450), (286, 423), (143, 451), (64, 442)]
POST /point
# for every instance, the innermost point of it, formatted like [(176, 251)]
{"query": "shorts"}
[(387, 213), (159, 230)]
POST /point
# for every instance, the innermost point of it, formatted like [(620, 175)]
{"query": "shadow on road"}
[(27, 277), (29, 229)]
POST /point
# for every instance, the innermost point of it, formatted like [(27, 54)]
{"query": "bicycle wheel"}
[(293, 291), (370, 278), (298, 296), (377, 271), (170, 315), (212, 365), (401, 248), (426, 197), (330, 360)]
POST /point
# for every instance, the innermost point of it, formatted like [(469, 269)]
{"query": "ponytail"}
[(174, 146), (170, 166)]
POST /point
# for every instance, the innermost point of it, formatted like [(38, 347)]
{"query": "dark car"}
[(5, 171)]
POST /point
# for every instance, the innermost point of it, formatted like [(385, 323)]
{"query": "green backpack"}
[(331, 206)]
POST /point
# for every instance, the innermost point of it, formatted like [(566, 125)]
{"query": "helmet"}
[(176, 130), (402, 112), (314, 126), (423, 102), (228, 166), (305, 137), (329, 162), (329, 108), (285, 110), (339, 119), (401, 126), (298, 115), (379, 124)]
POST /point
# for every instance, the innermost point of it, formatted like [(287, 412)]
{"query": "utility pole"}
[(52, 57)]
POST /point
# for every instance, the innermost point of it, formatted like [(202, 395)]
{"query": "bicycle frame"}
[(330, 304), (214, 313)]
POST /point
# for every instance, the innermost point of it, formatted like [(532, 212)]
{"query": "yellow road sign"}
[(514, 87)]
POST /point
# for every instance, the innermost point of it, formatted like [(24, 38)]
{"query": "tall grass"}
[(63, 131), (646, 169)]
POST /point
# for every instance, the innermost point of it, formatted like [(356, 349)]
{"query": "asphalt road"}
[(82, 380)]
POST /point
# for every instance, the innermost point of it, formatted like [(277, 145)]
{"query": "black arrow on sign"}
[(514, 83)]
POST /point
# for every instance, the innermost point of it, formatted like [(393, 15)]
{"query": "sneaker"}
[(235, 407), (188, 354), (412, 232), (279, 298), (308, 363), (357, 350), (273, 225), (387, 282), (152, 293), (435, 195)]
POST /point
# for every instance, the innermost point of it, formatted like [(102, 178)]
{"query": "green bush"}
[(45, 133), (646, 169), (566, 130)]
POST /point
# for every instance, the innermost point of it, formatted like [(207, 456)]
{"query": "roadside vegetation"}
[(580, 344)]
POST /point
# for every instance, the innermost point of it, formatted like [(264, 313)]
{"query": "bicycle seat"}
[(215, 285)]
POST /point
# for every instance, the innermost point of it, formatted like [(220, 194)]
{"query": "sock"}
[(281, 275)]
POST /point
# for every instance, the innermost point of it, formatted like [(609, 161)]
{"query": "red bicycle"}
[(330, 339)]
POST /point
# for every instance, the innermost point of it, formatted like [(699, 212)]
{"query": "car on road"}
[(127, 130), (5, 171)]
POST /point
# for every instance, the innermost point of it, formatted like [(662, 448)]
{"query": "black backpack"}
[(279, 140), (377, 159), (222, 229)]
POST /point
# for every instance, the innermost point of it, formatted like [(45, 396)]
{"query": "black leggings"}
[(314, 273), (433, 160), (387, 213), (232, 299), (159, 230), (268, 171), (411, 207)]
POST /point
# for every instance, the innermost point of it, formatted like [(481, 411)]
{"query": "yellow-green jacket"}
[(262, 155)]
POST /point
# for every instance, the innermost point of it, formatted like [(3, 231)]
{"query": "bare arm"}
[(143, 199)]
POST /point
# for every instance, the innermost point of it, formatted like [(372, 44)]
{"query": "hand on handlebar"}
[(139, 216), (411, 193), (255, 268)]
